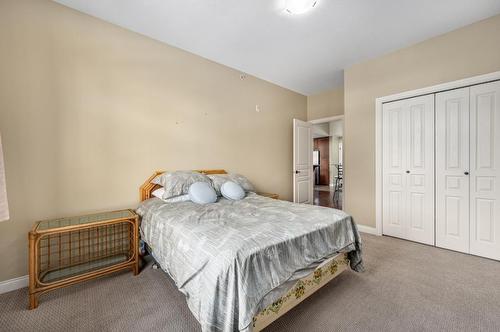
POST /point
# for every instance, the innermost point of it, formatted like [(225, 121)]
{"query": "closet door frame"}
[(475, 80)]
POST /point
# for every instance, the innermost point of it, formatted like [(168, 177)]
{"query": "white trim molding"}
[(328, 119), (495, 76), (13, 284), (367, 229)]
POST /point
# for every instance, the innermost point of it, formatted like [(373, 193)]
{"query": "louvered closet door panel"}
[(394, 161), (452, 165), (420, 169), (485, 170)]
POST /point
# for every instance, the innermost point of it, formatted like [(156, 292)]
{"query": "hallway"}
[(325, 196)]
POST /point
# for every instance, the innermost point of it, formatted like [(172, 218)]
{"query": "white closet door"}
[(452, 167), (485, 170), (420, 169), (394, 161), (408, 184), (302, 162)]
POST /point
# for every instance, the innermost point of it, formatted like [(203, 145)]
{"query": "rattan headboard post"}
[(147, 187)]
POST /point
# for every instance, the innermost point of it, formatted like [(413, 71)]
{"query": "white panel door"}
[(485, 170), (302, 162), (394, 170), (408, 169), (420, 169), (452, 169)]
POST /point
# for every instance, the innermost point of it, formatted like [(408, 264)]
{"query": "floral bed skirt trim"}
[(301, 290)]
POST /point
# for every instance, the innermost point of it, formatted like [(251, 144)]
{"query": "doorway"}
[(328, 171)]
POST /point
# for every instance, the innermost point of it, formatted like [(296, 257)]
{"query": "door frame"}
[(462, 83), (330, 119)]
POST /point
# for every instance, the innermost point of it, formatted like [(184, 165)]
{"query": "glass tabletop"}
[(71, 271), (87, 219)]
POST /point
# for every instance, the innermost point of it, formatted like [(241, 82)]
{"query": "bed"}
[(242, 264)]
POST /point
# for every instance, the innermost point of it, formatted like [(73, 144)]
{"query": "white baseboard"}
[(13, 284), (367, 229)]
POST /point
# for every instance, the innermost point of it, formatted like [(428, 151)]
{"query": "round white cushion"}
[(202, 193), (232, 190)]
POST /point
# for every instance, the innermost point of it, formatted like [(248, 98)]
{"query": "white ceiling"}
[(305, 53)]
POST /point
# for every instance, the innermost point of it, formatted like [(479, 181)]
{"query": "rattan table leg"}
[(33, 297), (33, 301), (136, 246)]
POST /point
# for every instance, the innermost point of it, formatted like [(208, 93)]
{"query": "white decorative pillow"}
[(159, 194), (177, 183), (219, 179), (233, 191), (202, 193)]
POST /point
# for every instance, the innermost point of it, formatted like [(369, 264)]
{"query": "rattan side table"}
[(66, 251)]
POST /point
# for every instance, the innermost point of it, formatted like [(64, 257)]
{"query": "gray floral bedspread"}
[(225, 257)]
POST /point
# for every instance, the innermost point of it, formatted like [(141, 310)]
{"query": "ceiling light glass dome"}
[(299, 6)]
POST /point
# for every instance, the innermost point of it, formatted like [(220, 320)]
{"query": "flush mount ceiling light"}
[(299, 6)]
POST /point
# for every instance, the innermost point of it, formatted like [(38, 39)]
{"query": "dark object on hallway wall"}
[(323, 146)]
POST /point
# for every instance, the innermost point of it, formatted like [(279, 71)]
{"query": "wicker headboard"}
[(147, 187)]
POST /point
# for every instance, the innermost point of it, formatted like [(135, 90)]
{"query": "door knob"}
[(297, 172), (408, 172), (466, 173)]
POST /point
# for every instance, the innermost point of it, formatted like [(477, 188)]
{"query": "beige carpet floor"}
[(406, 287)]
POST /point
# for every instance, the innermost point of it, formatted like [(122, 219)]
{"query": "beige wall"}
[(326, 104), (470, 51), (89, 110)]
